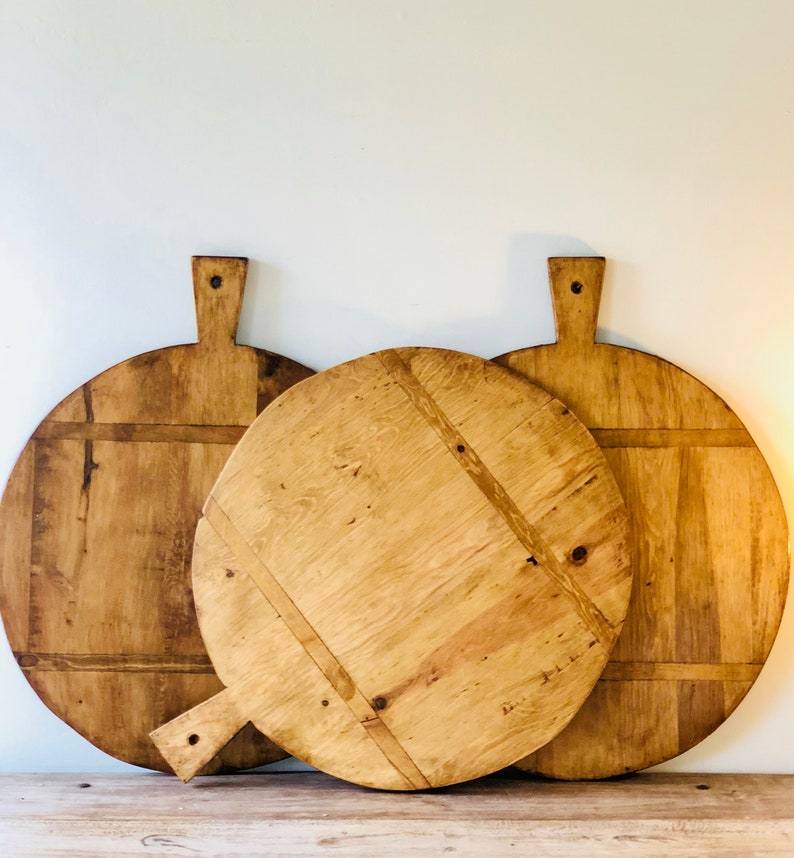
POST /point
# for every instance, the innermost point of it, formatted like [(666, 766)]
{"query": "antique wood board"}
[(97, 524), (409, 573), (710, 538)]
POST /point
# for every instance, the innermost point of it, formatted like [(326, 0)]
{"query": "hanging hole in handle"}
[(193, 739), (216, 281), (576, 287)]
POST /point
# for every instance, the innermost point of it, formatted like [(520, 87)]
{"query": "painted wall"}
[(398, 173)]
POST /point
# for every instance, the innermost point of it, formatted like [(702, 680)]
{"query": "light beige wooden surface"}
[(710, 535), (308, 814), (410, 572), (97, 524)]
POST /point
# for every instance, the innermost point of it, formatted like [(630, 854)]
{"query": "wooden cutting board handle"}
[(576, 286), (218, 284), (191, 740)]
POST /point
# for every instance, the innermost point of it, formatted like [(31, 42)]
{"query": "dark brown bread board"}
[(710, 538), (97, 524), (409, 573)]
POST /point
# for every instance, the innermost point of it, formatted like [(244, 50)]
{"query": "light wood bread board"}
[(97, 525), (409, 573), (710, 538)]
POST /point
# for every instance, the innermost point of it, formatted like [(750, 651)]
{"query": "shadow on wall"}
[(525, 318)]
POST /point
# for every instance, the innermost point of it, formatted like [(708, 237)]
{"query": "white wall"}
[(398, 172)]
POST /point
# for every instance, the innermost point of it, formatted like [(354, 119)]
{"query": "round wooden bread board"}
[(409, 573), (97, 525), (710, 537)]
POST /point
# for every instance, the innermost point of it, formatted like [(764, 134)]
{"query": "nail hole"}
[(192, 739), (702, 786), (461, 448), (578, 554), (325, 702), (216, 281), (85, 786), (576, 287), (379, 702)]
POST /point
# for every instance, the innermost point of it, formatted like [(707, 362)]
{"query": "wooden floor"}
[(307, 813)]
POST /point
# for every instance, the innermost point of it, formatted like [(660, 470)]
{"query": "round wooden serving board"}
[(710, 537), (410, 573), (97, 524)]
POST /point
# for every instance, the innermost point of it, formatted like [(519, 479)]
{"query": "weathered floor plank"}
[(307, 813)]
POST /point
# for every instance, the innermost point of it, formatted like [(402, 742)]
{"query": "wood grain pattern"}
[(710, 536), (310, 814), (410, 554), (97, 525)]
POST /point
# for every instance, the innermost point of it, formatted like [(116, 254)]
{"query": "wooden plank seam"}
[(637, 671), (672, 437), (108, 662), (57, 430), (615, 671)]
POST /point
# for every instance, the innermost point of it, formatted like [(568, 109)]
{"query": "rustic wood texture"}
[(309, 814), (709, 531), (410, 572), (97, 525)]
